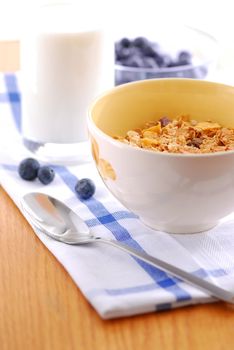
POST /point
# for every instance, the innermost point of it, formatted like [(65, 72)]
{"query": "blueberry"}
[(184, 58), (149, 62), (85, 188), (140, 52), (140, 42), (136, 51), (125, 42), (163, 61), (45, 175), (173, 63), (28, 169), (123, 53), (148, 51), (133, 61)]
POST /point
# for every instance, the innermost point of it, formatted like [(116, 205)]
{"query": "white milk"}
[(62, 73)]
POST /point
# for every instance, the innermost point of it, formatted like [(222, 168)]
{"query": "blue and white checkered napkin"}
[(115, 283)]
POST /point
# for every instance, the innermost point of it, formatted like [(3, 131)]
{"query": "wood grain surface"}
[(41, 308)]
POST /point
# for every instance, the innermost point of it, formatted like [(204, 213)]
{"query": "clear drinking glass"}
[(67, 60)]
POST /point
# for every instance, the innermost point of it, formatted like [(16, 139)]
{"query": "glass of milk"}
[(67, 60)]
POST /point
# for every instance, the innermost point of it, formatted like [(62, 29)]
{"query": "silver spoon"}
[(59, 222)]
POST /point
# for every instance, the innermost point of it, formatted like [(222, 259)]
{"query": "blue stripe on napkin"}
[(117, 215), (130, 290), (121, 234), (152, 286), (4, 97), (14, 97)]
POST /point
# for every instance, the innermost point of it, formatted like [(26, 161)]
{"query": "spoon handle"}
[(196, 281)]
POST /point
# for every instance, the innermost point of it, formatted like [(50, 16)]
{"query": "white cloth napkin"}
[(115, 283)]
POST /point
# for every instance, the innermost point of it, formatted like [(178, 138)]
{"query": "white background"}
[(213, 16)]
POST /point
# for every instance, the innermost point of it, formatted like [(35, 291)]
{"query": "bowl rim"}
[(92, 126), (207, 61)]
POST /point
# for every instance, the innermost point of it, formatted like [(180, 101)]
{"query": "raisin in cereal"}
[(181, 135)]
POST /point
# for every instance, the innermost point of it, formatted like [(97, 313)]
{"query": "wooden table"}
[(41, 308)]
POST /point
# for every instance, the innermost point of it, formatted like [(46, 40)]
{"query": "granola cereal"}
[(181, 135)]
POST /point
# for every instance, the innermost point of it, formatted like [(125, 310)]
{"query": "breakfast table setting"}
[(71, 296)]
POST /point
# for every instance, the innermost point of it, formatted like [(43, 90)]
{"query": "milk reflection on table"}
[(64, 68)]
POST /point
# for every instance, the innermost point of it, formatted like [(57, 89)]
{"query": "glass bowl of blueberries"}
[(180, 52)]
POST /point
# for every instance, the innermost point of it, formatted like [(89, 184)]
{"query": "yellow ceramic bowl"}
[(180, 193)]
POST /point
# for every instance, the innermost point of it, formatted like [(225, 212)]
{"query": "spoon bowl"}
[(61, 223), (56, 219)]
